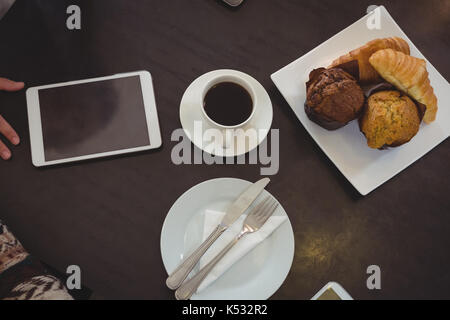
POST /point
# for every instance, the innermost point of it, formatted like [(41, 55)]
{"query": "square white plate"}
[(365, 168)]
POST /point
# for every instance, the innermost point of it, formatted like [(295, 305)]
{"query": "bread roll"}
[(366, 72), (408, 74)]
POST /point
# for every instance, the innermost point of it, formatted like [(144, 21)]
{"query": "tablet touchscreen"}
[(94, 117)]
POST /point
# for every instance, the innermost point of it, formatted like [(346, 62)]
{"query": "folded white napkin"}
[(240, 249)]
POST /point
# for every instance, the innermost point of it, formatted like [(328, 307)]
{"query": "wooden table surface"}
[(106, 215)]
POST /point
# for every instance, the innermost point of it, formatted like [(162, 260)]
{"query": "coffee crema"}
[(228, 104)]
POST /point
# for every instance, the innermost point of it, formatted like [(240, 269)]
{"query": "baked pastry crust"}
[(367, 74), (390, 119), (408, 74)]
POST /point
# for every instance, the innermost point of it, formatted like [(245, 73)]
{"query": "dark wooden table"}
[(106, 215)]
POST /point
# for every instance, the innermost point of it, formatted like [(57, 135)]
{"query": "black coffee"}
[(228, 104)]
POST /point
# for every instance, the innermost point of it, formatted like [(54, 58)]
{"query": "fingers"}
[(5, 154), (9, 85), (8, 132), (5, 128)]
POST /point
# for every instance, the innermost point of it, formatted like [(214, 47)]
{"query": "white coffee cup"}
[(228, 131)]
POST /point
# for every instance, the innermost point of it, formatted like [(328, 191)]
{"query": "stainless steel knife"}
[(236, 209)]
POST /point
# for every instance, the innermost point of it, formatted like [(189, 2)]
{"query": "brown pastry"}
[(408, 74), (367, 74), (390, 119), (333, 98)]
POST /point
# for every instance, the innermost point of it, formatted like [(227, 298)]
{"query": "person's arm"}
[(22, 277), (5, 128)]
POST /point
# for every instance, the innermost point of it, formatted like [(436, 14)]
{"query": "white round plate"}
[(256, 276), (190, 111)]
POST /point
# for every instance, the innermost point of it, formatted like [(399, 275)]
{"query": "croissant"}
[(366, 73), (408, 74)]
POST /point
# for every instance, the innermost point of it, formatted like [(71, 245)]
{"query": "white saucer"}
[(256, 276), (190, 111)]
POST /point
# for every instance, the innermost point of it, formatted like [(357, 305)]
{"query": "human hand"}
[(5, 128)]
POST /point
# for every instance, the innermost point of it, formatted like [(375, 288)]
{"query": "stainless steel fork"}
[(254, 221)]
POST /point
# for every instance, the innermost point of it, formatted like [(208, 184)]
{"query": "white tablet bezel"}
[(34, 119), (337, 288)]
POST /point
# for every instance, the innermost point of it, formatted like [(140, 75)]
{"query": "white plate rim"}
[(289, 246)]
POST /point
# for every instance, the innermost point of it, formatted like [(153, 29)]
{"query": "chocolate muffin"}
[(390, 119), (333, 98)]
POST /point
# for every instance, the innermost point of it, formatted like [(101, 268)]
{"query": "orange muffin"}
[(390, 119)]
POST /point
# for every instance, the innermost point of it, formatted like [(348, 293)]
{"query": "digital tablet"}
[(92, 118), (332, 291)]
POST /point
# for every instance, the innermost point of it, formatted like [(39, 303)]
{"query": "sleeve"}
[(22, 277)]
